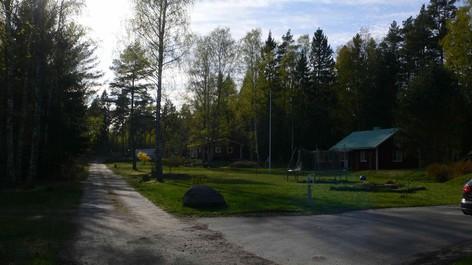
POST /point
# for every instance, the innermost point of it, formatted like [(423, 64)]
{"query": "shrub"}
[(440, 172), (390, 182), (175, 161), (244, 164), (143, 157), (462, 168), (193, 163)]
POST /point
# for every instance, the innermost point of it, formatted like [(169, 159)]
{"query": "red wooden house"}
[(375, 150)]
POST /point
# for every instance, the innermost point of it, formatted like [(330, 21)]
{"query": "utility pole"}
[(270, 128)]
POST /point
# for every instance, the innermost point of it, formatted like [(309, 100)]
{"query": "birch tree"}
[(251, 54), (162, 27)]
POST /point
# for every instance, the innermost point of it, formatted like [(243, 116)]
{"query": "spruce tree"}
[(322, 62), (320, 95)]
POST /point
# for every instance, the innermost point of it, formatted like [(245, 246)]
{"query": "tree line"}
[(294, 92), (301, 93), (47, 67)]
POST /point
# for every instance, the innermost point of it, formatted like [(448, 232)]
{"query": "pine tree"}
[(130, 70)]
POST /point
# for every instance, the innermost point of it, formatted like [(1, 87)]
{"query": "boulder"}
[(201, 196)]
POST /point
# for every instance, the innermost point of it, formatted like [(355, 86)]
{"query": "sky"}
[(340, 19)]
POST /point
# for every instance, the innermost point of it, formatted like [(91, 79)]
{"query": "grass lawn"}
[(35, 224), (465, 261), (250, 191)]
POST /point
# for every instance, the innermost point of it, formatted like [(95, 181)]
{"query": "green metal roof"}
[(364, 139)]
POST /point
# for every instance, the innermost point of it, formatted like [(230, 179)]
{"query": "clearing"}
[(251, 191)]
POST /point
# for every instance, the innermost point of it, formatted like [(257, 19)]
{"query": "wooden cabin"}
[(377, 149)]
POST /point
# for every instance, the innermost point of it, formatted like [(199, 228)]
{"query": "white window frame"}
[(363, 156), (218, 149), (397, 156)]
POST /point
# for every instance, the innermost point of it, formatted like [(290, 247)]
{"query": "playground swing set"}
[(318, 165)]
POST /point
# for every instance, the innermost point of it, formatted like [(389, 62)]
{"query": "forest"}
[(272, 95)]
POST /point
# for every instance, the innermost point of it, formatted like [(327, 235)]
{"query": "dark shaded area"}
[(36, 223)]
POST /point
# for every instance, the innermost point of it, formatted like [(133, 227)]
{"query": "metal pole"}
[(270, 128)]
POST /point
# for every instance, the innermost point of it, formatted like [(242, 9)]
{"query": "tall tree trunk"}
[(254, 107), (10, 139), (132, 131), (37, 126), (22, 135), (158, 168)]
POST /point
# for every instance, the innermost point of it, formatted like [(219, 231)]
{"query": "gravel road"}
[(119, 226)]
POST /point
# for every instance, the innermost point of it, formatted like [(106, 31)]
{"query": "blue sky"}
[(340, 19)]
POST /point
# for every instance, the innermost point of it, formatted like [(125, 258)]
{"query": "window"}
[(363, 156), (218, 150), (229, 150), (397, 156)]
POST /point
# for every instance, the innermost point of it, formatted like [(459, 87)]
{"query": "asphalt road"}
[(372, 237)]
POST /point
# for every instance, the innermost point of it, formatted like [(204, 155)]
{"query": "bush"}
[(440, 172), (143, 157), (444, 172), (391, 182), (244, 164), (193, 163), (175, 161), (462, 168)]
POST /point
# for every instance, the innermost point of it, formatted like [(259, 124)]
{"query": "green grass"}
[(465, 261), (251, 191), (35, 224)]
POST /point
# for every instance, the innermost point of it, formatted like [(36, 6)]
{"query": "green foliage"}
[(458, 48), (430, 111), (47, 66)]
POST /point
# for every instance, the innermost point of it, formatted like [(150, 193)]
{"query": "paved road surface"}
[(120, 227), (373, 237)]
